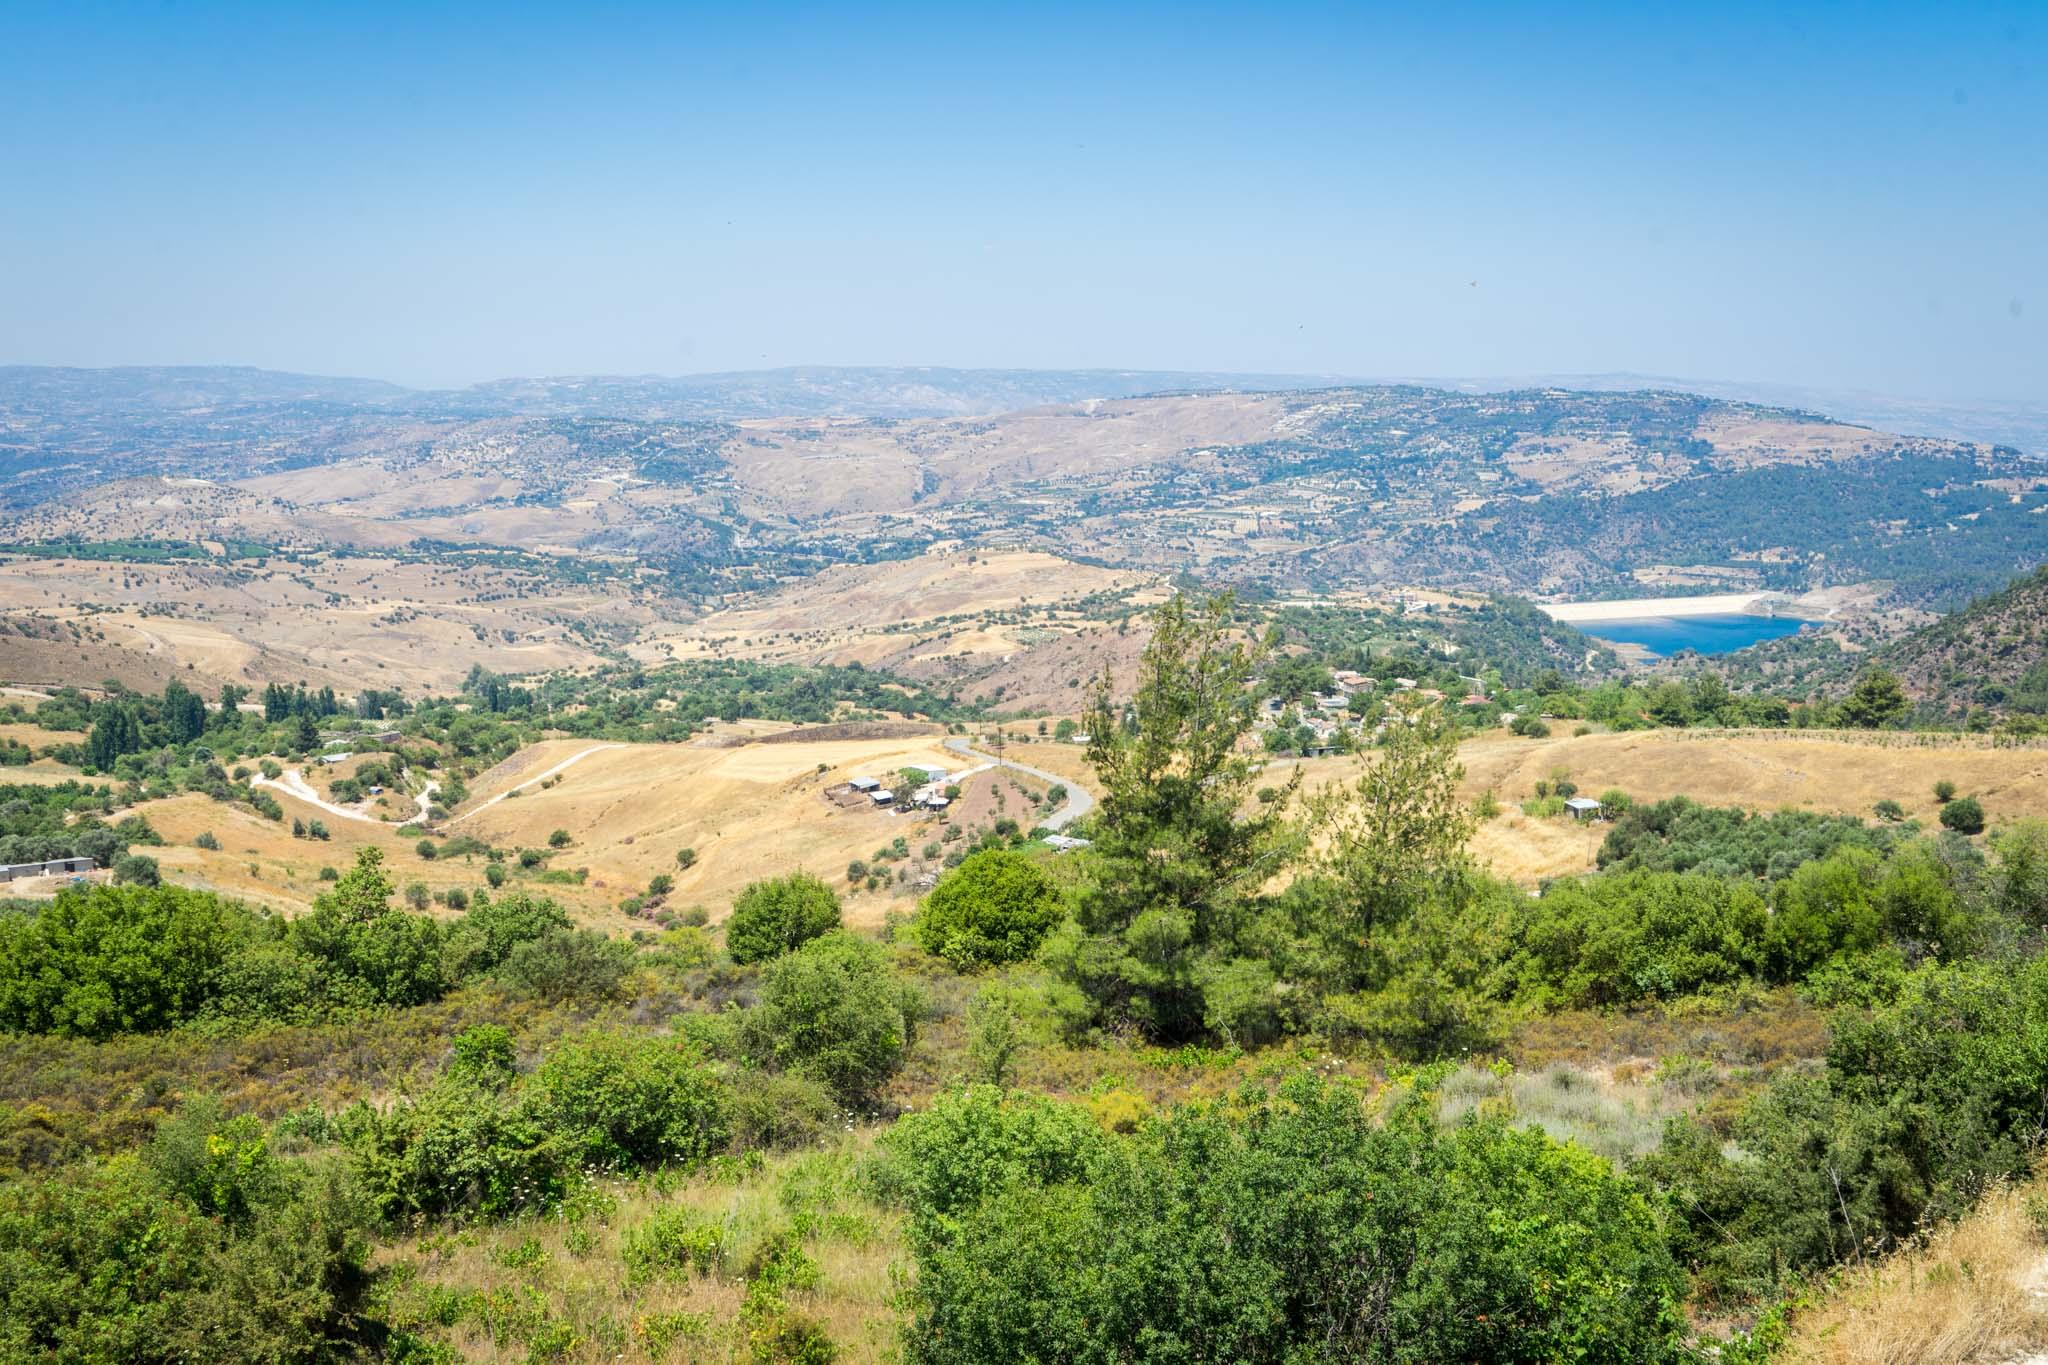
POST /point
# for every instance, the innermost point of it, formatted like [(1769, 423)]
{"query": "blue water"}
[(1663, 635)]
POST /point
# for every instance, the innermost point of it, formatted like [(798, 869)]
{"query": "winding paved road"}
[(1079, 799)]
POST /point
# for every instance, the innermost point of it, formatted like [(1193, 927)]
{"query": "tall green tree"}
[(1181, 847), (1391, 840), (184, 713), (1876, 701)]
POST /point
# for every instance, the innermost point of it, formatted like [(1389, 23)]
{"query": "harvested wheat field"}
[(750, 811)]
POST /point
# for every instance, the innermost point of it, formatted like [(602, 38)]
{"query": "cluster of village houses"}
[(1330, 716)]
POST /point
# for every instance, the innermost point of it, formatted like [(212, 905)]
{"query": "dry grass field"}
[(1975, 1293), (1830, 772), (259, 860), (750, 811)]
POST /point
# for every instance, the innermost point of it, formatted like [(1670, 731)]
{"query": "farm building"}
[(1584, 808), (865, 784), (53, 867), (882, 796)]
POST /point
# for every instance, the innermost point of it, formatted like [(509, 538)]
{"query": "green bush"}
[(1630, 936), (625, 1102), (774, 917), (206, 1249), (1924, 1102), (996, 906), (139, 869), (833, 1011), (1294, 1228), (567, 964), (1964, 815), (673, 1243), (100, 960)]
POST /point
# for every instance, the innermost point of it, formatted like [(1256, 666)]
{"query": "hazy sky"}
[(1850, 195)]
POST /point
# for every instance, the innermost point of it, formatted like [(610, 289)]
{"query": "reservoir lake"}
[(1666, 635)]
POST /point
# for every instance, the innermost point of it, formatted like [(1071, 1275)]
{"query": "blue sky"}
[(1850, 196)]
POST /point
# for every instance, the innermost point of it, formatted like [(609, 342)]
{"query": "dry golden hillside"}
[(750, 811)]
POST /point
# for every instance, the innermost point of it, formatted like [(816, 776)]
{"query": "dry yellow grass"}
[(259, 860), (753, 811), (1975, 1293), (36, 737), (1837, 773), (1766, 770)]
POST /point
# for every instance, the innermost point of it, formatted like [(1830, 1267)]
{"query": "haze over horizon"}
[(1837, 201)]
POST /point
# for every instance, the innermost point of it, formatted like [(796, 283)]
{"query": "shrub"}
[(626, 1102), (495, 925), (138, 869), (1629, 936), (1963, 815), (569, 964), (1479, 1242), (674, 1242), (780, 1110), (1944, 791), (1889, 809), (484, 1057), (459, 1149), (686, 858), (207, 840), (833, 1011), (773, 917), (99, 960), (559, 839), (996, 906)]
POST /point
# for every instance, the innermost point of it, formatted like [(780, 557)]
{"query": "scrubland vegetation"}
[(1265, 1073)]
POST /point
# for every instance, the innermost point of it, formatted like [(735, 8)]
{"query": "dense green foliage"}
[(486, 1142), (996, 906), (780, 915), (102, 960), (833, 1012), (1285, 1229), (203, 1247), (1924, 1101), (1681, 835)]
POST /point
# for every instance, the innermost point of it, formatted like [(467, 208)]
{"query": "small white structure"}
[(865, 784), (1584, 808), (882, 797), (1064, 843)]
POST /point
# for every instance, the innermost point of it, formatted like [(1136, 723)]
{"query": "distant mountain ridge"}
[(914, 391), (795, 391)]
